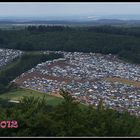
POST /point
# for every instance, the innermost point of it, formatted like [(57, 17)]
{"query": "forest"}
[(121, 41), (35, 118)]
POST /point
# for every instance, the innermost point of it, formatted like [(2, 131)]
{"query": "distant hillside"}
[(73, 22)]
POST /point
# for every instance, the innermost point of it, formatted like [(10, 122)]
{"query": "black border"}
[(1, 1), (100, 1)]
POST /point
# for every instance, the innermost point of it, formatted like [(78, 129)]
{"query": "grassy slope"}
[(18, 94)]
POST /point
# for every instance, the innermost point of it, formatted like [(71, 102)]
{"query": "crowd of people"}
[(84, 76), (7, 55)]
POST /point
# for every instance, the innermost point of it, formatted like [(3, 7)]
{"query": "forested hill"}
[(122, 41), (35, 117)]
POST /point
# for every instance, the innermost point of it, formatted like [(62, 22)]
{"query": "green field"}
[(20, 93)]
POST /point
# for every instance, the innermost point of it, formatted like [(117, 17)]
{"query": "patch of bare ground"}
[(123, 81), (56, 94)]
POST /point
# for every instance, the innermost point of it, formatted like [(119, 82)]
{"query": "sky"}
[(61, 9)]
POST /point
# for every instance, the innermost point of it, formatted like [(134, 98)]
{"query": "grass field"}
[(11, 27), (20, 93)]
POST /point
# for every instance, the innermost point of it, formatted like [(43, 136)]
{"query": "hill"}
[(73, 22), (121, 41)]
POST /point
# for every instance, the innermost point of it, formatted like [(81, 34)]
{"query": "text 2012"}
[(9, 124)]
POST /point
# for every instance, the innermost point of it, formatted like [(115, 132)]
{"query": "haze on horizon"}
[(92, 10)]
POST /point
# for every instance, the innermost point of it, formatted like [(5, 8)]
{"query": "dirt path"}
[(124, 81)]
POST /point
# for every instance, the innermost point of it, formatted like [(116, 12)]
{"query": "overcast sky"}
[(67, 8)]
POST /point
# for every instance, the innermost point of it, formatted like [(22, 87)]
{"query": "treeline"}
[(43, 28), (35, 118), (121, 41), (20, 65)]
